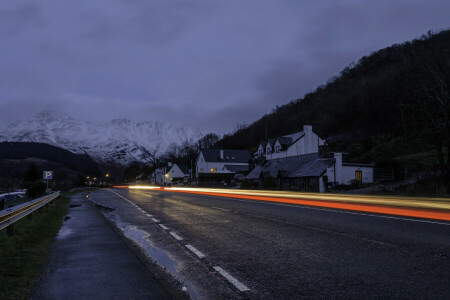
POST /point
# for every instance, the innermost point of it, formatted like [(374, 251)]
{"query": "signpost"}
[(48, 175)]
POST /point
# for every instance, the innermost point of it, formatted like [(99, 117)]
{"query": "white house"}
[(295, 162), (157, 177), (299, 143), (345, 173), (177, 173), (212, 161)]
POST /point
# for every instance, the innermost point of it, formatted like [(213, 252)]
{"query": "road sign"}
[(48, 175)]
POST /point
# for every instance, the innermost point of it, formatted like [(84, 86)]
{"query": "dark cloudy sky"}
[(206, 64)]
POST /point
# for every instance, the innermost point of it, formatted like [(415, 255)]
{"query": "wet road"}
[(285, 252)]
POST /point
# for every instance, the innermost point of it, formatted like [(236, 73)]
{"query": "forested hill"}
[(23, 150), (393, 102)]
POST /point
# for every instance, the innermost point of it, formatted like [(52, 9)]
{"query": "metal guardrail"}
[(11, 215)]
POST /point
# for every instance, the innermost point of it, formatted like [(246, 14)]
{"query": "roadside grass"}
[(23, 255)]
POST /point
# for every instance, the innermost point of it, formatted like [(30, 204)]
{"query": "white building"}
[(346, 173), (295, 162), (157, 177), (212, 161), (177, 173), (300, 143)]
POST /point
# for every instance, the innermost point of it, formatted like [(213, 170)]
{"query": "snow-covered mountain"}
[(119, 140)]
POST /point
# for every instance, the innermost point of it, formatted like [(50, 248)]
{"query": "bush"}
[(269, 182), (35, 189), (246, 184)]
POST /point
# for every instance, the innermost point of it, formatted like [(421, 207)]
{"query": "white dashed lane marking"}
[(176, 236), (163, 227), (155, 220), (240, 286), (220, 208), (195, 251)]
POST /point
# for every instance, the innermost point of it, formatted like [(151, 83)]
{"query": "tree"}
[(208, 141), (32, 174)]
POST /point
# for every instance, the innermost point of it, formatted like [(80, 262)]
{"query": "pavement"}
[(281, 251), (89, 260)]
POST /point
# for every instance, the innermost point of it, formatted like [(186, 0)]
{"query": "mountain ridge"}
[(119, 140)]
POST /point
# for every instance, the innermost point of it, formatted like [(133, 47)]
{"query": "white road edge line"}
[(155, 220), (240, 286), (176, 236), (163, 227), (224, 209), (196, 252)]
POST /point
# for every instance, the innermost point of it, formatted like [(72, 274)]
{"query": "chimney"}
[(338, 167), (221, 154), (307, 129), (309, 143)]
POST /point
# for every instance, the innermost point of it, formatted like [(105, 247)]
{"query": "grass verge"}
[(23, 255)]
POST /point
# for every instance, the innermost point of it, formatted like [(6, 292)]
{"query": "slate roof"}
[(285, 140), (235, 169), (236, 156), (309, 165)]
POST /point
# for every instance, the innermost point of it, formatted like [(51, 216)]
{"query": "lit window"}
[(213, 170)]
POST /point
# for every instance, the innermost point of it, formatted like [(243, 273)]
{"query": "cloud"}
[(198, 63), (14, 20)]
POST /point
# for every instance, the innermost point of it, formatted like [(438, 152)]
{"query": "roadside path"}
[(90, 261)]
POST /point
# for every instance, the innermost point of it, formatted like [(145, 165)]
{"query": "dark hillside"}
[(16, 158), (393, 102)]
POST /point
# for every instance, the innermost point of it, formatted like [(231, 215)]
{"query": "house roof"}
[(236, 156), (263, 144), (309, 165), (236, 169), (285, 140)]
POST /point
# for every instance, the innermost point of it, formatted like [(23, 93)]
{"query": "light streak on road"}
[(428, 208)]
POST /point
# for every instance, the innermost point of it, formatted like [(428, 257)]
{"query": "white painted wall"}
[(175, 172), (309, 143), (344, 174), (348, 174)]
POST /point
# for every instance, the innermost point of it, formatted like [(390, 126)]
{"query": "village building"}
[(157, 177), (220, 165), (299, 143), (294, 161), (178, 174)]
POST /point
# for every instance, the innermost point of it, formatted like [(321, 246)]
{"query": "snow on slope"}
[(119, 140)]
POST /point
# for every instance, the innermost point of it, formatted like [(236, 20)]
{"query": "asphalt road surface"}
[(290, 252)]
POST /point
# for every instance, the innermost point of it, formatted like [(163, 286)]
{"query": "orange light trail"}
[(426, 208)]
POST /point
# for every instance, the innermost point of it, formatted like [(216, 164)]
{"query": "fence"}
[(11, 215)]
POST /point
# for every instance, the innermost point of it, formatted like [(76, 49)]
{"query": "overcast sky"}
[(205, 64)]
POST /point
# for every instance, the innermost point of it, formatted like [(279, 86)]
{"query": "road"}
[(286, 251)]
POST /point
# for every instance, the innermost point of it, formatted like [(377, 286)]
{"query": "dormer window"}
[(268, 149), (277, 148)]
